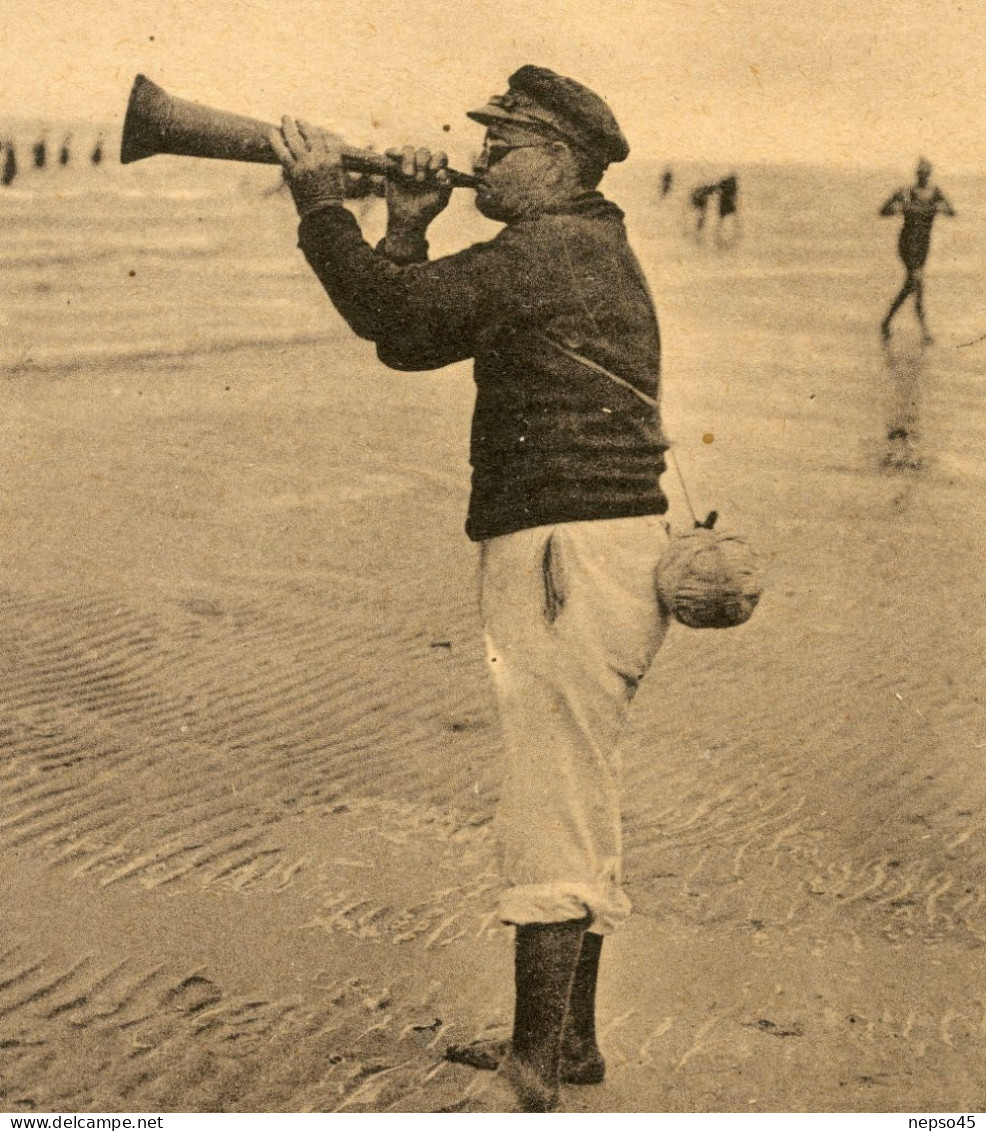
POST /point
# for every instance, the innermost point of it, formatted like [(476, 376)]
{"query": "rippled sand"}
[(249, 756)]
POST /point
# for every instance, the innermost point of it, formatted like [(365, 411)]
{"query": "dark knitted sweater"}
[(552, 440)]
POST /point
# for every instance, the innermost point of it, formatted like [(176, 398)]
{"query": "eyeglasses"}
[(492, 154)]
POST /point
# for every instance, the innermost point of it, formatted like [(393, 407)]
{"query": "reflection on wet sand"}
[(906, 367)]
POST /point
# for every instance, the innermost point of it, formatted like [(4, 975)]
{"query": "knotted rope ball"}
[(708, 579)]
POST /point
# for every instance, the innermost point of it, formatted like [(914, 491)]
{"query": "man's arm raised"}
[(312, 161), (943, 204), (895, 205)]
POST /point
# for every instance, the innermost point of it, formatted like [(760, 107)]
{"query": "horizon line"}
[(114, 127)]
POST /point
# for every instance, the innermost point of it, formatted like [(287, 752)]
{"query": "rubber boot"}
[(581, 1060), (580, 1055), (545, 958)]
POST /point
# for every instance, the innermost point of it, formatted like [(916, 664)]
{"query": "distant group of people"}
[(918, 204), (726, 195), (40, 156)]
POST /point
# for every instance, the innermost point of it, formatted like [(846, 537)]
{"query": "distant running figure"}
[(97, 154), (919, 205), (65, 153), (667, 182), (40, 153)]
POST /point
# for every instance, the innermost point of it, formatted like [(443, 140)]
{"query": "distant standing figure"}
[(96, 156), (919, 205), (667, 182), (700, 202), (727, 228), (40, 153), (65, 153), (9, 164)]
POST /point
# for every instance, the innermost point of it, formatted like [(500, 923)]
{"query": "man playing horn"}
[(565, 507)]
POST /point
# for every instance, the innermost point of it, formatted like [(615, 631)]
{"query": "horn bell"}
[(157, 122)]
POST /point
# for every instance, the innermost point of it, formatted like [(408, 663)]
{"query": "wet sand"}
[(250, 757)]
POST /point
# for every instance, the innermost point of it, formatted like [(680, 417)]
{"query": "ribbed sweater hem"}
[(481, 527)]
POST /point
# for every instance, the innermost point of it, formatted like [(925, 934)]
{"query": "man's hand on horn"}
[(312, 162), (421, 191)]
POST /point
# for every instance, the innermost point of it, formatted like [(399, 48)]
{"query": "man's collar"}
[(588, 202)]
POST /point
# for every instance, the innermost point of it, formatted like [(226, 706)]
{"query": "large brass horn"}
[(157, 122)]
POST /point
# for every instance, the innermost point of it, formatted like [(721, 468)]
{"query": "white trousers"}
[(572, 623)]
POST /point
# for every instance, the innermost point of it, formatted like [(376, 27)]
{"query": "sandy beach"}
[(249, 755)]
